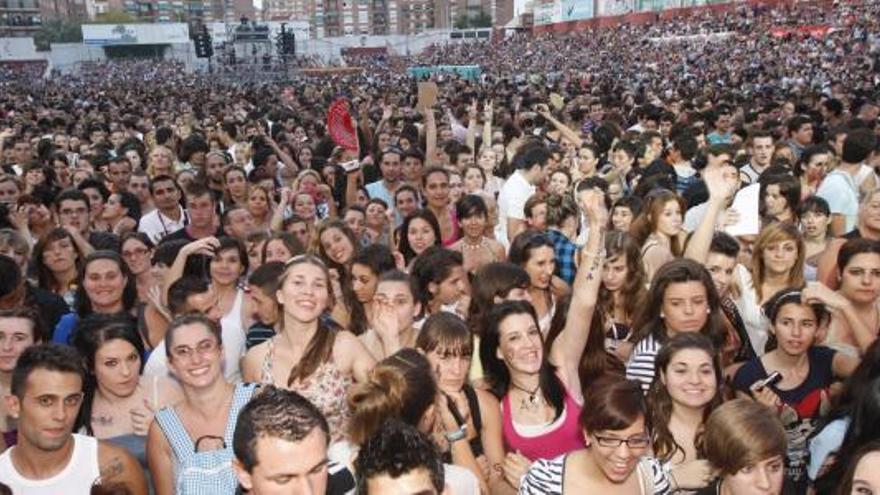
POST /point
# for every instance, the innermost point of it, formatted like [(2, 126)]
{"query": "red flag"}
[(341, 126)]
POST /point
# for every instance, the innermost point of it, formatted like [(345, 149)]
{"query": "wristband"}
[(459, 434)]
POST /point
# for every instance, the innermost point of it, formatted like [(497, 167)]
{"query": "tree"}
[(57, 31), (470, 21), (482, 20)]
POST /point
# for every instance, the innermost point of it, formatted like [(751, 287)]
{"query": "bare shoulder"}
[(487, 400), (348, 344), (257, 352), (117, 464)]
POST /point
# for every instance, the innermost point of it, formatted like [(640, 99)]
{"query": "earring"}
[(708, 311), (662, 316)]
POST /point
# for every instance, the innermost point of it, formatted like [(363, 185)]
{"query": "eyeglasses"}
[(636, 442), (206, 346)]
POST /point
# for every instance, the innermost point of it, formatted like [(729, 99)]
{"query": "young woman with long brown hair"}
[(310, 354), (686, 389)]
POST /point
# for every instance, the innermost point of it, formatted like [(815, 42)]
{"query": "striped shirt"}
[(641, 364), (546, 477)]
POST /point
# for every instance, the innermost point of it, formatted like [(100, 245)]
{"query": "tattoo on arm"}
[(112, 469)]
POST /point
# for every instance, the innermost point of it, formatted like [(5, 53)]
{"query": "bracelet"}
[(459, 434)]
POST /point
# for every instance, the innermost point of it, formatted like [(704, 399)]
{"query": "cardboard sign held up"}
[(427, 95)]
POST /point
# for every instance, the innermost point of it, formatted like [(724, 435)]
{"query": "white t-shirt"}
[(156, 225), (233, 336), (842, 194), (511, 203), (81, 472)]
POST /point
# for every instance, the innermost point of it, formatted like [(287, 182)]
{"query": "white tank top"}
[(234, 337), (78, 476)]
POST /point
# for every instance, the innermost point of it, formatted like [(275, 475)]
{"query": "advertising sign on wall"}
[(135, 34)]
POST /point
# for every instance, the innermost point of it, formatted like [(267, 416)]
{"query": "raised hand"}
[(206, 246), (141, 418), (721, 182)]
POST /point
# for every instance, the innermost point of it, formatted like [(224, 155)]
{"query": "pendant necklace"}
[(534, 400)]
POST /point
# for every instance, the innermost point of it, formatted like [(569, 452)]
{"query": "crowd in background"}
[(641, 259)]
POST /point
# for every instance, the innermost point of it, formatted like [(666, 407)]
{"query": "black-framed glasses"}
[(635, 442)]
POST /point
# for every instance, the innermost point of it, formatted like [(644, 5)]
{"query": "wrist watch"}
[(459, 434)]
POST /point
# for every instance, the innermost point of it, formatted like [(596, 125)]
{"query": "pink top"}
[(565, 437), (456, 231)]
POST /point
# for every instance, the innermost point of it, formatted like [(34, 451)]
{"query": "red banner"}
[(341, 126), (817, 32)]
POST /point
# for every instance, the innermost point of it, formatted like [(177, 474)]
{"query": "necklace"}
[(534, 400), (473, 247)]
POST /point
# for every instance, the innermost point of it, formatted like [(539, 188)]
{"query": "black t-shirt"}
[(802, 405), (185, 235)]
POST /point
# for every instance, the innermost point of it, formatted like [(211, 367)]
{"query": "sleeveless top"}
[(456, 230), (564, 436), (476, 443), (327, 388), (81, 472), (203, 472), (234, 338)]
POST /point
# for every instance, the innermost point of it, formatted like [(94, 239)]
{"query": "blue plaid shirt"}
[(565, 253)]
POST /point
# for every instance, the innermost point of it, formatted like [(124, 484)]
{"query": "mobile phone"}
[(771, 380), (351, 165)]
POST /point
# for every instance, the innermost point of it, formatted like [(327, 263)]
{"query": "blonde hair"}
[(773, 233)]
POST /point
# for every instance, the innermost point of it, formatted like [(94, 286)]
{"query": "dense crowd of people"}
[(641, 259)]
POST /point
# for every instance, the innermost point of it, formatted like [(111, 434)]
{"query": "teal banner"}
[(471, 72)]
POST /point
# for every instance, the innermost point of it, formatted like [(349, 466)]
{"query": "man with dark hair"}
[(800, 133), (139, 185), (201, 210), (188, 294), (413, 166), (530, 163), (237, 221), (390, 166), (72, 207), (280, 446), (684, 149), (398, 460), (168, 217), (760, 146), (46, 395), (262, 286), (119, 170), (839, 187), (722, 133), (215, 166)]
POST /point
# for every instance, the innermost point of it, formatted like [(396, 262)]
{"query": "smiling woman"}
[(310, 354), (104, 286), (807, 372), (614, 423), (189, 446), (685, 392)]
